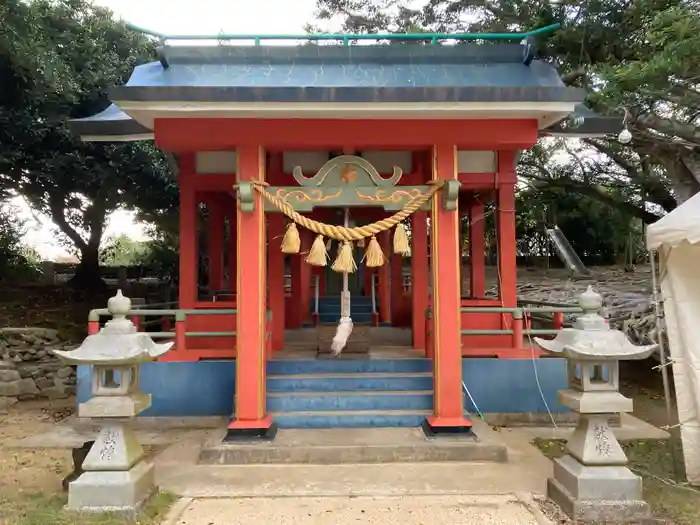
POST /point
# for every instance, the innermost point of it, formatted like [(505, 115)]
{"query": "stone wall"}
[(29, 369)]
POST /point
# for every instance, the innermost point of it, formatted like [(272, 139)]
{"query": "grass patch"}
[(664, 489), (42, 509)]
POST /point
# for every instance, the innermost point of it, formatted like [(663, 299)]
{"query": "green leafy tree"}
[(122, 250), (634, 56), (57, 60), (16, 258)]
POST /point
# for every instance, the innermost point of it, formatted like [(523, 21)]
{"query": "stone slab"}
[(115, 406), (7, 376), (501, 509), (119, 492), (595, 402), (13, 388), (358, 342), (591, 511), (360, 445), (629, 428), (597, 483)]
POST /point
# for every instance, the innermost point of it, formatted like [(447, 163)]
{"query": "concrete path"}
[(400, 510)]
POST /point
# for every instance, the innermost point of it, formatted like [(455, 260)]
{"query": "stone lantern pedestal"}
[(592, 483), (115, 477)]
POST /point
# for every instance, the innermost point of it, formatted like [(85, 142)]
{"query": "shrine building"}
[(346, 171)]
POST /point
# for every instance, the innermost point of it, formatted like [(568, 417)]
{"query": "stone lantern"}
[(592, 482), (115, 478)]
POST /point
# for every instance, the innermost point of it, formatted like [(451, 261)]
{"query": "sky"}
[(179, 17)]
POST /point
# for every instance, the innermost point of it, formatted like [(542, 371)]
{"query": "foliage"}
[(57, 60), (16, 259), (163, 255), (636, 55), (599, 234), (123, 251), (42, 509)]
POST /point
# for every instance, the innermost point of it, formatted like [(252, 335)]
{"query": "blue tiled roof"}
[(405, 73)]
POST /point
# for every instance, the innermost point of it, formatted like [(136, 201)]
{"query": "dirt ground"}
[(30, 480), (28, 473)]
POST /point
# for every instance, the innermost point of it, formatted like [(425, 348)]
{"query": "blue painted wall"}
[(206, 388), (203, 388), (510, 385)]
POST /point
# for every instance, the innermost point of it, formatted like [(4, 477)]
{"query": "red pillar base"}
[(434, 426), (258, 430)]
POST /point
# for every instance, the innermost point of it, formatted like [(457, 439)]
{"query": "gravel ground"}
[(413, 510)]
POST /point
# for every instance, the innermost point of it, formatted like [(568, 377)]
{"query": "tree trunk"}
[(683, 181), (88, 275)]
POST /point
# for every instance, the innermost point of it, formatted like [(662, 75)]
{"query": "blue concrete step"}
[(350, 401), (348, 366), (348, 382), (350, 419)]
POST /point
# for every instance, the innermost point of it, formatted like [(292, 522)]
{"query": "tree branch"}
[(572, 76), (687, 132), (595, 192), (57, 207)]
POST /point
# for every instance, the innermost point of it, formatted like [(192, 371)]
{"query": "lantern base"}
[(120, 492), (605, 494)]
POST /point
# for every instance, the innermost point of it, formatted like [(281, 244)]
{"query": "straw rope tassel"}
[(374, 257), (345, 261), (401, 245), (318, 255), (291, 242)]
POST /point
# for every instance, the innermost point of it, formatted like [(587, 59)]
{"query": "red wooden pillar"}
[(215, 243), (232, 246), (383, 280), (396, 261), (419, 276), (275, 278), (506, 230), (250, 416), (477, 248), (448, 413), (187, 286)]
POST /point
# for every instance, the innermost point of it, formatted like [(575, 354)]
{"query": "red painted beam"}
[(478, 181), (186, 135)]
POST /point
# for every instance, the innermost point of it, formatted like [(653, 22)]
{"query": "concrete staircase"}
[(351, 393), (329, 309)]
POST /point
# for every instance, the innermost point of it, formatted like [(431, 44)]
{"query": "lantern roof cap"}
[(118, 343)]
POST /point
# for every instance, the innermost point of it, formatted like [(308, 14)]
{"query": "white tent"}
[(676, 237)]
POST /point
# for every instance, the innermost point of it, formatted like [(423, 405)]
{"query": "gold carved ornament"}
[(345, 262)]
